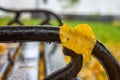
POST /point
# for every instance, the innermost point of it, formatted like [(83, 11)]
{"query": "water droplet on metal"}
[(48, 43)]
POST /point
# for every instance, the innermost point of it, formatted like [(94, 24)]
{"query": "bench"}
[(29, 49), (55, 66)]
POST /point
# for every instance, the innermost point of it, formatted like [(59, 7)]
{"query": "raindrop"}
[(48, 43)]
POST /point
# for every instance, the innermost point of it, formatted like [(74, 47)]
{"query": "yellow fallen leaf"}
[(2, 48), (80, 39)]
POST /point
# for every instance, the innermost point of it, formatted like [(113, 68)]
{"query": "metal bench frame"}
[(69, 72)]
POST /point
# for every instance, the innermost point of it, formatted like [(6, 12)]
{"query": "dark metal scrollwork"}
[(107, 60), (41, 33), (47, 14), (71, 70)]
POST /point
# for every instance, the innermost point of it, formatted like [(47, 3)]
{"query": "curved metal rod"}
[(71, 70), (28, 33), (32, 11), (23, 10), (47, 19), (6, 10), (41, 33), (16, 20), (47, 22), (108, 61)]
